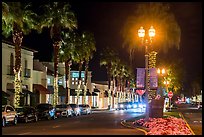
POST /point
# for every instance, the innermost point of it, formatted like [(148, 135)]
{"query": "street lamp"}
[(141, 34), (162, 72)]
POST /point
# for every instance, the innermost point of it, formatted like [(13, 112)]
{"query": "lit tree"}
[(108, 56), (88, 43), (17, 20), (56, 16), (67, 51), (160, 17), (155, 14)]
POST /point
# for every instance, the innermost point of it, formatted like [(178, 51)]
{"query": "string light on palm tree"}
[(147, 42)]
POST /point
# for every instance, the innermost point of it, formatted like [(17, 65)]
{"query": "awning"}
[(24, 92), (61, 90), (73, 92), (96, 90), (94, 94), (4, 94), (41, 88), (88, 93), (106, 93)]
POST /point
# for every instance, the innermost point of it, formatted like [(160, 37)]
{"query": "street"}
[(98, 123), (193, 116)]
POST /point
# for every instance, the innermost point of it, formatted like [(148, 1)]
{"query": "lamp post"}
[(146, 41), (161, 73)]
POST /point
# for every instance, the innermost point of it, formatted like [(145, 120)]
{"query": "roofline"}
[(11, 43)]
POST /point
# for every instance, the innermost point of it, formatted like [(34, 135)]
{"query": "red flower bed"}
[(164, 126)]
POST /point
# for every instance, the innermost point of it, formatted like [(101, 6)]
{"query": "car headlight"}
[(134, 106), (121, 105), (140, 106)]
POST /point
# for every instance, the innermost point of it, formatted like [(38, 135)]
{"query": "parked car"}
[(121, 106), (85, 109), (200, 105), (9, 115), (45, 111), (26, 114), (63, 110), (76, 110)]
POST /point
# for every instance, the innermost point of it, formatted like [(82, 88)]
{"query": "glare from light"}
[(141, 32)]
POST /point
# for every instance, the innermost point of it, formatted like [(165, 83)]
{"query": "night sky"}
[(105, 20)]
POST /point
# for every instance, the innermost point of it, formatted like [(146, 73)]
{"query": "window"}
[(48, 81), (60, 81), (72, 79), (72, 83)]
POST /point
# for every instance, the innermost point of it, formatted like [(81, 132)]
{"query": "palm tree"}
[(108, 56), (160, 17), (79, 59), (56, 16), (115, 73), (66, 55), (18, 20), (88, 42)]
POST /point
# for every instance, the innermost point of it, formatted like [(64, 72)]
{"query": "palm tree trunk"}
[(56, 46), (109, 84), (79, 81), (67, 73), (17, 40), (113, 92), (85, 83)]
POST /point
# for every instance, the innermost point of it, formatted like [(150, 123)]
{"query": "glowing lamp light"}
[(141, 32), (166, 82), (163, 71), (158, 71), (151, 32)]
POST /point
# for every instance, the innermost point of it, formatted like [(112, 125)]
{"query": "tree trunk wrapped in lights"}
[(79, 81), (17, 40), (152, 59), (152, 64), (67, 73), (85, 81), (56, 60)]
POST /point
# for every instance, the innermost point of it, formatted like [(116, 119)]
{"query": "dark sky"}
[(105, 20)]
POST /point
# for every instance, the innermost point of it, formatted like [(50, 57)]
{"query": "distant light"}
[(151, 32), (141, 32)]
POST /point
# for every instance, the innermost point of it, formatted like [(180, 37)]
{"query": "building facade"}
[(8, 63)]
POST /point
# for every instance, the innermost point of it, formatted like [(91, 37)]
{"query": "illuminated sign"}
[(76, 74), (140, 83)]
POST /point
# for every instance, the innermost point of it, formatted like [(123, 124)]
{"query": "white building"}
[(8, 63), (40, 83)]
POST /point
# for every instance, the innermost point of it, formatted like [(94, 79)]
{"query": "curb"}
[(128, 126), (181, 115)]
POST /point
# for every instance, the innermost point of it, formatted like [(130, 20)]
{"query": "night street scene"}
[(101, 68)]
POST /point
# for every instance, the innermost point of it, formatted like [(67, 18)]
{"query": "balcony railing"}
[(27, 73)]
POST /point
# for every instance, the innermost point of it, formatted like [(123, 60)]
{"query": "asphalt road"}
[(193, 116), (97, 123)]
